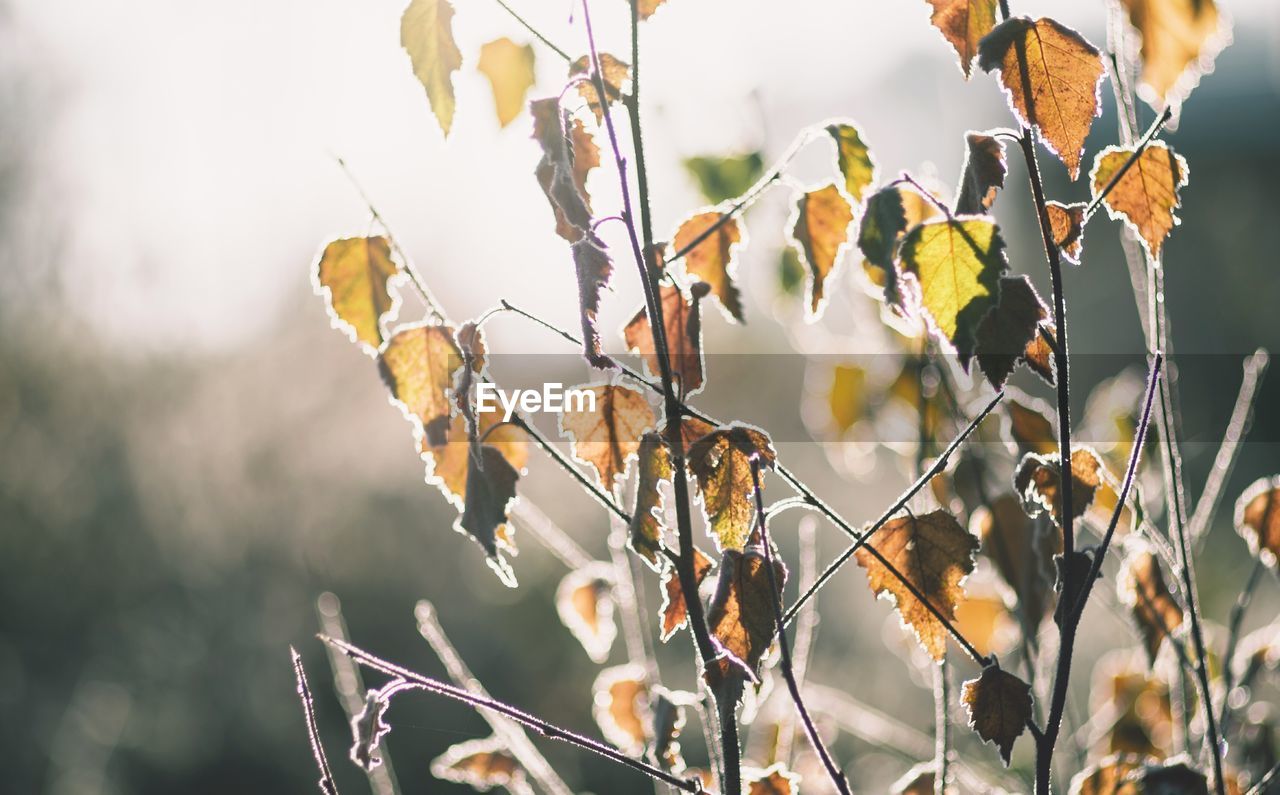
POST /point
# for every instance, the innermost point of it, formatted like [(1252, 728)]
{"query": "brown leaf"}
[(776, 780), (645, 534), (614, 72), (933, 553), (585, 604), (999, 706), (418, 365), (1037, 481), (713, 261), (1066, 221), (426, 33), (447, 463), (1051, 76), (607, 436), (1140, 701), (491, 486), (1146, 196), (983, 174), (963, 23), (509, 69), (741, 616), (674, 610), (820, 233), (647, 8), (1141, 587), (1022, 552), (682, 319), (1039, 353), (721, 462), (1257, 518), (482, 765), (1180, 39), (621, 707), (668, 722), (354, 277), (1028, 426), (1132, 775), (1007, 330), (594, 270), (568, 154), (1106, 777)]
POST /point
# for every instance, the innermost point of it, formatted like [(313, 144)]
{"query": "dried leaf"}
[(933, 553), (776, 780), (569, 153), (509, 68), (740, 615), (447, 463), (682, 319), (482, 765), (1066, 221), (721, 462), (1007, 330), (1146, 196), (983, 174), (368, 729), (647, 8), (621, 707), (668, 722), (883, 224), (958, 263), (608, 436), (721, 178), (594, 270), (1037, 481), (1039, 353), (999, 706), (418, 364), (585, 604), (1123, 687), (714, 259), (1022, 553), (1029, 427), (963, 23), (1051, 77), (491, 486), (645, 535), (820, 233), (354, 277), (614, 73), (1180, 39), (853, 159), (674, 610), (1257, 519), (1141, 587), (426, 33)]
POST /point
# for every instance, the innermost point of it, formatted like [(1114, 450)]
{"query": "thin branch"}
[(1234, 623), (550, 535), (535, 32), (941, 727), (784, 646), (806, 630), (1151, 133), (567, 465), (308, 712), (1266, 781), (519, 716)]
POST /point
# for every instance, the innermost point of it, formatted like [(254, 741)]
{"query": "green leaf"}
[(854, 159), (722, 178)]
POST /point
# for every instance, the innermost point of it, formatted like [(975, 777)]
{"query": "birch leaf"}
[(1066, 221), (682, 318), (482, 765), (418, 364), (426, 33), (621, 707), (646, 530), (776, 780), (1257, 519), (614, 73), (740, 615), (721, 462), (1039, 483), (963, 23), (491, 486), (1147, 194), (1180, 39), (447, 463), (853, 158), (509, 68), (713, 260), (585, 603), (724, 177), (999, 706), (608, 436), (594, 269), (983, 174), (1142, 589), (820, 233), (674, 610), (354, 276), (883, 223), (1007, 330)]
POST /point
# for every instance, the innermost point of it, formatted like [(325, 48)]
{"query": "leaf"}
[(368, 729), (721, 462), (1131, 775), (741, 616), (585, 604), (713, 261), (608, 436), (418, 364), (509, 68), (491, 486), (668, 722), (447, 463), (1050, 76), (682, 319), (1028, 427), (963, 23), (354, 277), (853, 158), (1141, 587), (847, 396), (958, 263), (983, 174), (482, 765), (1039, 483), (1140, 701), (1039, 354), (1066, 221), (645, 534), (933, 553), (1180, 39), (621, 707), (776, 780), (721, 178), (647, 8), (1257, 518), (1007, 330), (790, 272), (1146, 196), (569, 153), (594, 269), (1106, 777), (982, 618), (613, 72), (883, 224), (674, 610), (820, 233), (999, 706), (1022, 551), (426, 33)]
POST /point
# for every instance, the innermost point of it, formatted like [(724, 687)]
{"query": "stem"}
[(941, 727), (550, 535), (535, 32), (784, 647), (559, 457), (1233, 637), (1265, 782), (308, 712)]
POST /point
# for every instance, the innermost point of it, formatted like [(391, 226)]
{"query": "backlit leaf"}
[(569, 153), (1141, 587), (1037, 481), (1106, 777), (1257, 519), (776, 780), (847, 396), (482, 765), (1146, 196), (721, 462), (418, 364), (614, 73), (608, 436), (820, 232), (621, 707), (721, 178), (934, 553), (1180, 39), (491, 486), (963, 23), (1066, 221), (647, 8), (682, 318), (714, 259), (1123, 686), (741, 616), (447, 463), (1028, 426), (354, 276), (585, 604), (983, 619), (1039, 353), (426, 33), (674, 610), (1051, 76), (645, 534), (1007, 330), (594, 268), (958, 263), (883, 223), (1022, 551), (983, 174), (853, 159), (998, 705), (1132, 775), (509, 68), (668, 722)]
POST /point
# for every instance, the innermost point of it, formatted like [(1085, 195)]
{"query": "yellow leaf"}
[(983, 619), (447, 463), (648, 8), (713, 260), (1029, 427), (426, 33), (999, 707), (418, 364), (963, 23), (509, 68), (1051, 76), (820, 232), (585, 604), (1180, 39), (354, 275), (853, 158), (847, 397), (645, 534), (721, 462), (1147, 194), (1258, 519), (608, 435)]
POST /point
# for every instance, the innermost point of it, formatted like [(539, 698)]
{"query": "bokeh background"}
[(189, 455)]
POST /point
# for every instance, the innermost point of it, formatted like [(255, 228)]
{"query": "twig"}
[(1266, 781), (308, 712), (784, 646), (535, 32), (1151, 133), (567, 465), (550, 535), (519, 716), (941, 727), (806, 630), (1234, 623)]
